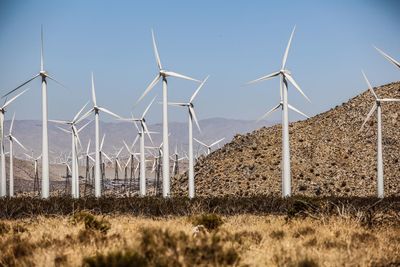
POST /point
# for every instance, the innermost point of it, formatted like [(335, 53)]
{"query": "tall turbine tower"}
[(3, 179), (377, 107), (11, 169), (45, 140), (162, 75), (96, 109), (192, 117), (285, 77)]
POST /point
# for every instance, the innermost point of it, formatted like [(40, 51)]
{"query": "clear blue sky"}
[(232, 41)]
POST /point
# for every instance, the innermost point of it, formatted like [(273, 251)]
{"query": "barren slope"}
[(329, 155)]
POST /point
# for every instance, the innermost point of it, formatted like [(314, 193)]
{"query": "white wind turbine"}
[(208, 147), (36, 170), (3, 179), (285, 77), (74, 139), (141, 132), (389, 58), (162, 75), (11, 170), (377, 107), (74, 151), (96, 109), (192, 117), (45, 140)]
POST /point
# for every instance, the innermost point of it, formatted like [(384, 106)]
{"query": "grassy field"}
[(300, 235)]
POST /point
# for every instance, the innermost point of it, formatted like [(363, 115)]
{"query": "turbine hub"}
[(43, 73)]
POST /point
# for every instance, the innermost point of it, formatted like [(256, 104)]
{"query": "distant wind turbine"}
[(285, 77), (208, 147), (192, 117), (96, 109), (377, 107), (163, 74), (45, 140), (11, 170)]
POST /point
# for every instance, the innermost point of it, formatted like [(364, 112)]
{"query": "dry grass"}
[(242, 240)]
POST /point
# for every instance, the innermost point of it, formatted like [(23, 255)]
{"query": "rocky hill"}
[(329, 155)]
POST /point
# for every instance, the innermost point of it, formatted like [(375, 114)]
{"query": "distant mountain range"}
[(29, 132)]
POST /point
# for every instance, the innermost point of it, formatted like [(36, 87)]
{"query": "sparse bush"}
[(210, 221), (303, 231), (116, 259), (18, 228), (91, 222), (4, 228), (279, 234)]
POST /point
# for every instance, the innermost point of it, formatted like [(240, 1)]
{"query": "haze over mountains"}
[(29, 132)]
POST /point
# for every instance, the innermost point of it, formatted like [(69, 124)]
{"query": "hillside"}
[(329, 155)]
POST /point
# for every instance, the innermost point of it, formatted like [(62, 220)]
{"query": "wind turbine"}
[(208, 147), (141, 132), (192, 116), (3, 179), (377, 107), (389, 58), (162, 75), (74, 138), (96, 109), (45, 140), (285, 76), (36, 170), (12, 139)]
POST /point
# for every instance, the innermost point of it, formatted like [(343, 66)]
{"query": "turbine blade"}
[(292, 81), (392, 60), (12, 123), (119, 152), (127, 147), (15, 89), (156, 51), (146, 130), (178, 104), (193, 116), (88, 147), (177, 75), (57, 82), (12, 99), (106, 156), (287, 49), (389, 100), (93, 92), (102, 142), (201, 143), (298, 111), (369, 115), (216, 142), (148, 89), (84, 126), (119, 165), (264, 78), (41, 49), (62, 129), (369, 85), (109, 112), (80, 111), (198, 89), (59, 122), (84, 116), (269, 112), (134, 141), (148, 107)]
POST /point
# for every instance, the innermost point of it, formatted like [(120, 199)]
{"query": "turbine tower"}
[(285, 77), (96, 110), (162, 75), (45, 140), (192, 117), (12, 139), (3, 179), (377, 107)]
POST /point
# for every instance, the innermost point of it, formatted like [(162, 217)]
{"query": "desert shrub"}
[(18, 228), (303, 231), (4, 228), (91, 222), (15, 250), (279, 234), (210, 221), (252, 237), (116, 259)]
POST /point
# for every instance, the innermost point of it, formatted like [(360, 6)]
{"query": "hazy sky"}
[(232, 41)]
